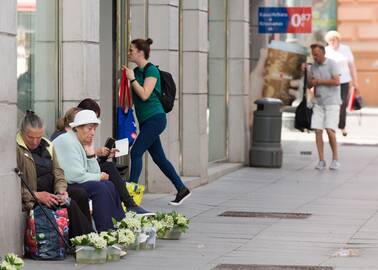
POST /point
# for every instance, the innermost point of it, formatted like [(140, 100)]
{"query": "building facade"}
[(55, 53), (361, 34)]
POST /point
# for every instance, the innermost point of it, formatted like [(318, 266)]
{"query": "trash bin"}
[(266, 149)]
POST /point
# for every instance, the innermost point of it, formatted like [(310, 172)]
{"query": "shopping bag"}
[(355, 101), (136, 191), (126, 126), (303, 112), (42, 241)]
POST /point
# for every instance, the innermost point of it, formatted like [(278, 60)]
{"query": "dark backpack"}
[(168, 88)]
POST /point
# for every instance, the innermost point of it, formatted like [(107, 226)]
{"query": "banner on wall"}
[(285, 20)]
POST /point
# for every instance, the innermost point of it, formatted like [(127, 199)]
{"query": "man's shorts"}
[(325, 116)]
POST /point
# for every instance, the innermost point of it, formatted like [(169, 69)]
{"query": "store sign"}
[(26, 5), (285, 20)]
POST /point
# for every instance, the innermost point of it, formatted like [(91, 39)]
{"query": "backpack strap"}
[(145, 69), (304, 84), (144, 76)]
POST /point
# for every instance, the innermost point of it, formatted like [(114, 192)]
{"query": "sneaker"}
[(321, 165), (140, 211), (182, 195), (335, 165)]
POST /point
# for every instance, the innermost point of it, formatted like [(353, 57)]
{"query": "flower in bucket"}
[(11, 262), (92, 239), (131, 222), (110, 237), (152, 222), (125, 237), (164, 222)]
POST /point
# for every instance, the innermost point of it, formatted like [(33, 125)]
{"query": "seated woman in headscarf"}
[(76, 155), (36, 158)]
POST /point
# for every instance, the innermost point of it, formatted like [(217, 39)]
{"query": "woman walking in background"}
[(343, 57), (146, 86)]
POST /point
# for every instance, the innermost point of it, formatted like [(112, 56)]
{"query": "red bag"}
[(355, 101), (126, 126)]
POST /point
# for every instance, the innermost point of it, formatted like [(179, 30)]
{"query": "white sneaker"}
[(335, 165), (321, 165)]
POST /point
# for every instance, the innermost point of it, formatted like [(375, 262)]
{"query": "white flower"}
[(110, 237), (99, 242), (181, 220), (125, 237), (14, 259), (131, 221), (8, 266), (169, 221), (157, 224), (80, 240), (92, 239)]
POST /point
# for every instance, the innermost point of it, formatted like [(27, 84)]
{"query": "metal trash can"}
[(266, 149)]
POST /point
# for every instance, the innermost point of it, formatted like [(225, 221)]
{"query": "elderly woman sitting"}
[(105, 166), (76, 155), (36, 158)]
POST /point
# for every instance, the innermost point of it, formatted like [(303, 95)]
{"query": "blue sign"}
[(285, 20), (273, 20)]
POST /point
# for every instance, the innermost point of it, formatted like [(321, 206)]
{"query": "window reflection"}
[(37, 69)]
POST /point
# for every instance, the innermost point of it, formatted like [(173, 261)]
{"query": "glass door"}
[(131, 23)]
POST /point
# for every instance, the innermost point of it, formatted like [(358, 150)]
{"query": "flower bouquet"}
[(11, 262), (90, 248), (169, 225), (132, 222)]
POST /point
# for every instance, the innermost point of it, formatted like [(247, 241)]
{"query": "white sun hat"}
[(85, 117)]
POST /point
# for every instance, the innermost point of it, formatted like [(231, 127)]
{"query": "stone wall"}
[(10, 194)]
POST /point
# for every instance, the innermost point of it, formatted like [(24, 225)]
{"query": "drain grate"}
[(265, 215), (269, 267)]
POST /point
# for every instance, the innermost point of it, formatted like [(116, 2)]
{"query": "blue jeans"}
[(106, 203), (148, 139)]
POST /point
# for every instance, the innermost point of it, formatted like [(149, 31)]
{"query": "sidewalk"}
[(343, 204)]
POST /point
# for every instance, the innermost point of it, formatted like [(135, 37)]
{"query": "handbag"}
[(126, 126), (303, 113), (355, 101), (42, 241), (46, 232)]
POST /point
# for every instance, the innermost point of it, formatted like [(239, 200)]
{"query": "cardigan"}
[(73, 159)]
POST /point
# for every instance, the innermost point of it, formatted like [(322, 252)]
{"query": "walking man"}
[(324, 77)]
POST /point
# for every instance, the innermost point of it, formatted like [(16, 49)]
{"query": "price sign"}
[(300, 20), (285, 20)]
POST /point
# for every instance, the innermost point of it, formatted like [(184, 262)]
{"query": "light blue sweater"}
[(73, 160)]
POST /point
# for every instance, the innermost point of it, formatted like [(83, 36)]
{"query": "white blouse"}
[(342, 56)]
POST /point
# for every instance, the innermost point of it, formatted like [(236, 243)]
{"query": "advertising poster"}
[(282, 65)]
